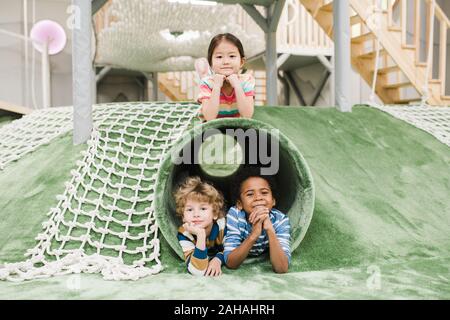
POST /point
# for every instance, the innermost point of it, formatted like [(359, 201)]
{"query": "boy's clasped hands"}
[(201, 207), (259, 218)]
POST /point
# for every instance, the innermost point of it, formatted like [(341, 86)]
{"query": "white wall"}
[(11, 75), (13, 87)]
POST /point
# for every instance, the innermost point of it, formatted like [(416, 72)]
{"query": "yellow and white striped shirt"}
[(196, 259)]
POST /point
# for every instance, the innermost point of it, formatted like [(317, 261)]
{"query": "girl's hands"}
[(233, 79), (191, 228), (214, 268), (218, 80)]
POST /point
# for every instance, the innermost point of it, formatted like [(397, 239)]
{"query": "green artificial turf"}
[(380, 227)]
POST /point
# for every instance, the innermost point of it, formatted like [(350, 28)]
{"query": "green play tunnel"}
[(255, 143)]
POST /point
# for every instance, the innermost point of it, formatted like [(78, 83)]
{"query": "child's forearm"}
[(197, 259), (238, 255), (210, 108), (278, 258), (244, 104), (201, 241)]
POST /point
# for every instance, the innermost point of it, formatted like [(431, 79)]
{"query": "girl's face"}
[(255, 191), (198, 213), (226, 59)]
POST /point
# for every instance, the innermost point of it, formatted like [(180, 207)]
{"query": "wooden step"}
[(395, 29), (14, 108), (397, 85), (407, 100), (310, 5), (371, 55), (409, 46), (327, 8), (388, 69), (355, 19), (363, 38)]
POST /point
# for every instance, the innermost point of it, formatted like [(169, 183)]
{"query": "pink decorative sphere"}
[(50, 31)]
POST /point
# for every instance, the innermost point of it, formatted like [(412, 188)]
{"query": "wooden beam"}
[(355, 19), (404, 18), (275, 16), (388, 69), (363, 38), (14, 108), (398, 85), (256, 15), (282, 59), (406, 101), (372, 54), (294, 85), (417, 24)]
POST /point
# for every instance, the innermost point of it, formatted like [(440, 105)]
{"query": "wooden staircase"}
[(397, 25), (173, 85)]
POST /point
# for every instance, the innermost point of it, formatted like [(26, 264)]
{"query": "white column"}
[(82, 74), (26, 91), (155, 86), (271, 69), (46, 84), (342, 58)]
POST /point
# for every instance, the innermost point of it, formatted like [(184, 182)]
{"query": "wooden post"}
[(404, 20), (417, 24)]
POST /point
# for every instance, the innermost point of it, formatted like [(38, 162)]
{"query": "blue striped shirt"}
[(238, 229)]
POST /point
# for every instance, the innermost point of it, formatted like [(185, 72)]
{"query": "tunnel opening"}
[(261, 146)]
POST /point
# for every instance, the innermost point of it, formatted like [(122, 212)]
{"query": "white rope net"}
[(434, 120), (104, 221), (138, 34), (28, 133)]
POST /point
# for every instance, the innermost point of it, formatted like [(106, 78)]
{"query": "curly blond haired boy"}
[(201, 208)]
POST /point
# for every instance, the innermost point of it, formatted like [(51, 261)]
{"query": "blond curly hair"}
[(195, 189)]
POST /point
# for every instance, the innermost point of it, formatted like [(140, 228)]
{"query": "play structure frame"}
[(83, 70)]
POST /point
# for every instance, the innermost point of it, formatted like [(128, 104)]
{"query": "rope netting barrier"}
[(28, 133), (104, 221), (434, 120), (139, 35)]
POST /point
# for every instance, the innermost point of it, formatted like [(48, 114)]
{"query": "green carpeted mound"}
[(380, 228), (295, 194)]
